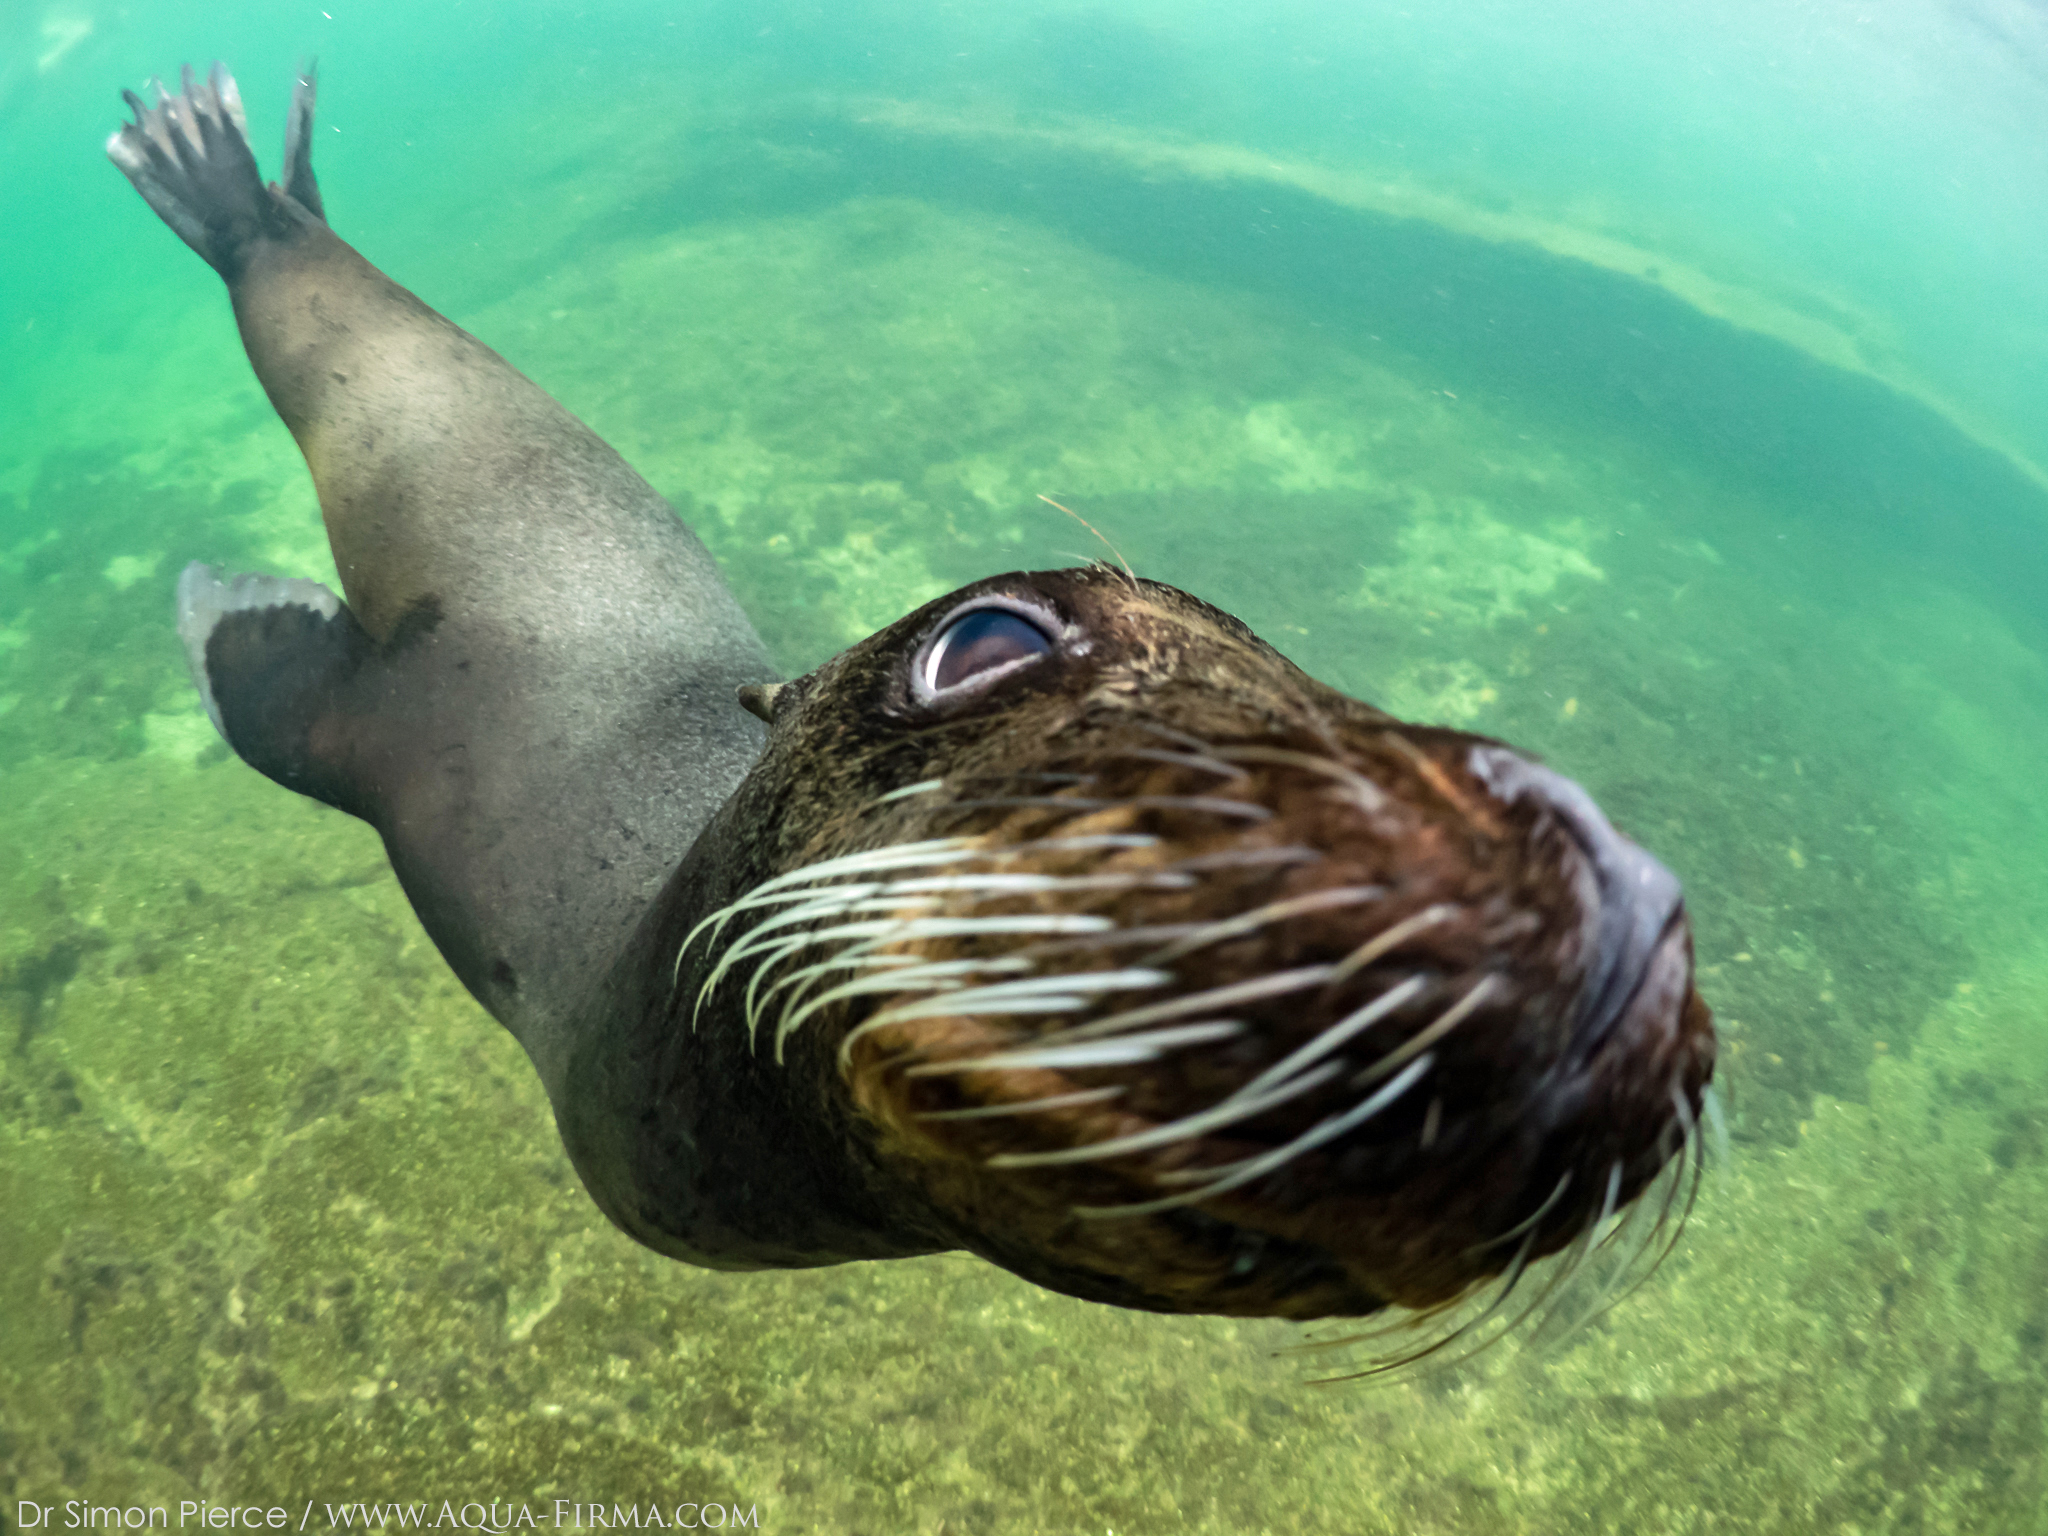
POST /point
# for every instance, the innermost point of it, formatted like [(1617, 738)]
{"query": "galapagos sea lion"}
[(1063, 920)]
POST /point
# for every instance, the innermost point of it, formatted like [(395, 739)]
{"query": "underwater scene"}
[(1662, 390)]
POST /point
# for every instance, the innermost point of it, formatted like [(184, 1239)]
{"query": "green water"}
[(1664, 396)]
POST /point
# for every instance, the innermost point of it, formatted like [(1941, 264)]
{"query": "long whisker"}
[(1429, 1034), (851, 959), (1272, 912), (1165, 1135), (806, 898), (1227, 1176), (1183, 760), (1455, 1330), (1563, 1268), (1168, 733), (1717, 1126), (875, 897), (1076, 1100), (892, 929), (1246, 858), (1214, 805), (907, 792), (932, 975), (939, 850), (1115, 939), (786, 933), (1279, 984), (1369, 795), (926, 853), (1528, 1223), (1392, 939), (1035, 994), (1122, 1051), (1338, 1035)]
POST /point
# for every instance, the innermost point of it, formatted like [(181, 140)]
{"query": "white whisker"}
[(919, 855), (894, 929), (789, 887), (1027, 1106), (1272, 912), (1682, 1111), (1278, 984), (908, 970), (1025, 885), (1165, 1135), (1391, 939), (1607, 1202), (1528, 1223), (845, 960), (1226, 1176), (1088, 984), (1717, 1127), (1630, 1237), (1183, 760), (931, 976), (1123, 1051), (1151, 934), (1036, 994), (1370, 796), (904, 930), (1441, 1328), (1462, 1330), (908, 791), (1214, 805), (1246, 858), (788, 932), (1430, 1033), (1177, 737), (1337, 1036), (940, 850)]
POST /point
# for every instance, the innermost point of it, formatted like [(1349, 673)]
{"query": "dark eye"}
[(980, 642)]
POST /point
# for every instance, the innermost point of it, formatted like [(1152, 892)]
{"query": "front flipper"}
[(276, 660)]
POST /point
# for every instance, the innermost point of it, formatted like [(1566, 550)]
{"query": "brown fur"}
[(1369, 1218)]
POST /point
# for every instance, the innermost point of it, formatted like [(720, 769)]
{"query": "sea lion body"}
[(529, 692), (1063, 920)]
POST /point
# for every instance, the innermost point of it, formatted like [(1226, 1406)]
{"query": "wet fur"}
[(1402, 1224)]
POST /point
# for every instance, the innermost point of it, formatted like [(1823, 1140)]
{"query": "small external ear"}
[(758, 699)]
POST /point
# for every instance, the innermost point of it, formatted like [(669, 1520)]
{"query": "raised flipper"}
[(190, 159), (529, 690)]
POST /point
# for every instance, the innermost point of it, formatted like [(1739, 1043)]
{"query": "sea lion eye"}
[(977, 643)]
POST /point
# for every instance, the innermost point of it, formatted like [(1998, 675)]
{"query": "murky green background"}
[(1664, 389)]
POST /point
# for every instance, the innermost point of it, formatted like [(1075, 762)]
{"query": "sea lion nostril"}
[(1635, 900)]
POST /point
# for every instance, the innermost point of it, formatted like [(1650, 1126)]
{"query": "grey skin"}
[(531, 690)]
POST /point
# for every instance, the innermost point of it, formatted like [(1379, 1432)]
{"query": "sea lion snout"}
[(1637, 903)]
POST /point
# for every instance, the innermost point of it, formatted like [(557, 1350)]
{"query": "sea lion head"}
[(1168, 976)]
